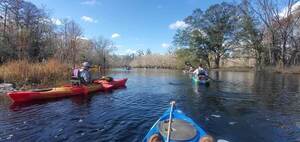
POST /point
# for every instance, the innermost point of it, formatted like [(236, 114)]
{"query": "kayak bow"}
[(182, 128), (198, 81)]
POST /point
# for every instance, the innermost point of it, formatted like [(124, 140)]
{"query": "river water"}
[(239, 107)]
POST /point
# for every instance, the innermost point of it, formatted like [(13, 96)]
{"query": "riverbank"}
[(271, 69), (234, 69), (286, 70), (25, 74), (155, 61)]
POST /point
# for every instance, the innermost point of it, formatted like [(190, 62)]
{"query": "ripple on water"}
[(232, 123), (221, 140), (298, 124), (216, 116)]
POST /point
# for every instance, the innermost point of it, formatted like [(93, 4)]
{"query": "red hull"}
[(60, 92), (65, 91), (117, 83)]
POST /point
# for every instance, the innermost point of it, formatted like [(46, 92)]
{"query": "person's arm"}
[(195, 71), (85, 76), (88, 77)]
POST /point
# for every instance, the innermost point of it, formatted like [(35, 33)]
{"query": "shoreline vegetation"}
[(247, 36), (155, 61), (26, 75)]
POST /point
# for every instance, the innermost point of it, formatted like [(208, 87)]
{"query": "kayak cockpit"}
[(41, 90), (180, 131), (183, 128)]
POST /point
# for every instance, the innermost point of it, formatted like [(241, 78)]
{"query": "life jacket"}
[(76, 73), (202, 75), (76, 79), (201, 72)]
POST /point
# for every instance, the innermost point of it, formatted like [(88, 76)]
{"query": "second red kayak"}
[(116, 83)]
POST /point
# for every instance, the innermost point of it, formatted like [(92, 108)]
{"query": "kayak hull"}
[(176, 115), (65, 91), (51, 93)]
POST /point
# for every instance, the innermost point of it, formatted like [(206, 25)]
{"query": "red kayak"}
[(51, 93), (116, 83), (65, 91)]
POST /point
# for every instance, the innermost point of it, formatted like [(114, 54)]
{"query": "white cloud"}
[(115, 35), (178, 25), (56, 21), (126, 51), (130, 51), (84, 38), (285, 11), (165, 45), (45, 20), (88, 19), (89, 2)]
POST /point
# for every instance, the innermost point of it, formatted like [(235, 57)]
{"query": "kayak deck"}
[(117, 83), (183, 128)]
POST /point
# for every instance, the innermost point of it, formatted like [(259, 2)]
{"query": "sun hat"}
[(86, 64)]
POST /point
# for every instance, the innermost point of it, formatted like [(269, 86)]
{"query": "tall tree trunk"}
[(208, 62), (217, 61), (284, 51), (270, 49), (258, 60), (5, 20)]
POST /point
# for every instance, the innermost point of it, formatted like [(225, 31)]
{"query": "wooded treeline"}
[(268, 30), (28, 33), (155, 61)]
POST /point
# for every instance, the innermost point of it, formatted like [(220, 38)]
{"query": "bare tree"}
[(103, 47), (69, 38), (279, 25)]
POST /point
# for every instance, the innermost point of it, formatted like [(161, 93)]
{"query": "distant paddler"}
[(200, 72)]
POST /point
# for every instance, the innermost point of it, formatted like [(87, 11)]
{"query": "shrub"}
[(23, 72)]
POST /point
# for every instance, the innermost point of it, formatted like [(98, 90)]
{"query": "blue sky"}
[(130, 24)]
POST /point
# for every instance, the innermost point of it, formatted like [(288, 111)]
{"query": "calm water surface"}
[(241, 107)]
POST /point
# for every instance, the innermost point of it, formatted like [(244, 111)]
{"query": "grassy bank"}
[(271, 69), (155, 61), (235, 69), (284, 70), (26, 74)]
